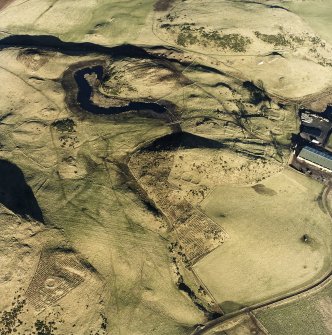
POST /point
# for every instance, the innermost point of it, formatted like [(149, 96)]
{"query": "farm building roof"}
[(316, 156)]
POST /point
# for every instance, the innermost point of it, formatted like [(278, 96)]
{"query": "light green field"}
[(317, 14), (310, 315), (266, 256)]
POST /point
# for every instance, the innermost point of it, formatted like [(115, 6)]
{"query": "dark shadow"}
[(53, 43), (163, 5), (15, 193), (72, 48), (265, 5), (327, 113), (221, 84), (312, 131), (275, 53), (257, 95), (263, 190), (183, 140), (210, 315), (328, 138)]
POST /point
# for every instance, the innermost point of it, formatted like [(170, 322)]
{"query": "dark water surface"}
[(85, 92)]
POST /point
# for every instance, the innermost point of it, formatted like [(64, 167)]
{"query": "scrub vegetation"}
[(189, 35)]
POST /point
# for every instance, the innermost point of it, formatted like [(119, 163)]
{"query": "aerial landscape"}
[(166, 167)]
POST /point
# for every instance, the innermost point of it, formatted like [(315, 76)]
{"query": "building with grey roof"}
[(316, 157)]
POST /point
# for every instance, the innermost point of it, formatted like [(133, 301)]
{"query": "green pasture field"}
[(309, 315), (279, 240)]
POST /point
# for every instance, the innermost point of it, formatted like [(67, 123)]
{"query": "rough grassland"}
[(73, 173), (105, 22), (266, 255)]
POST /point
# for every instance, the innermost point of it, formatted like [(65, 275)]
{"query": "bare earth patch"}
[(5, 3), (163, 5)]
